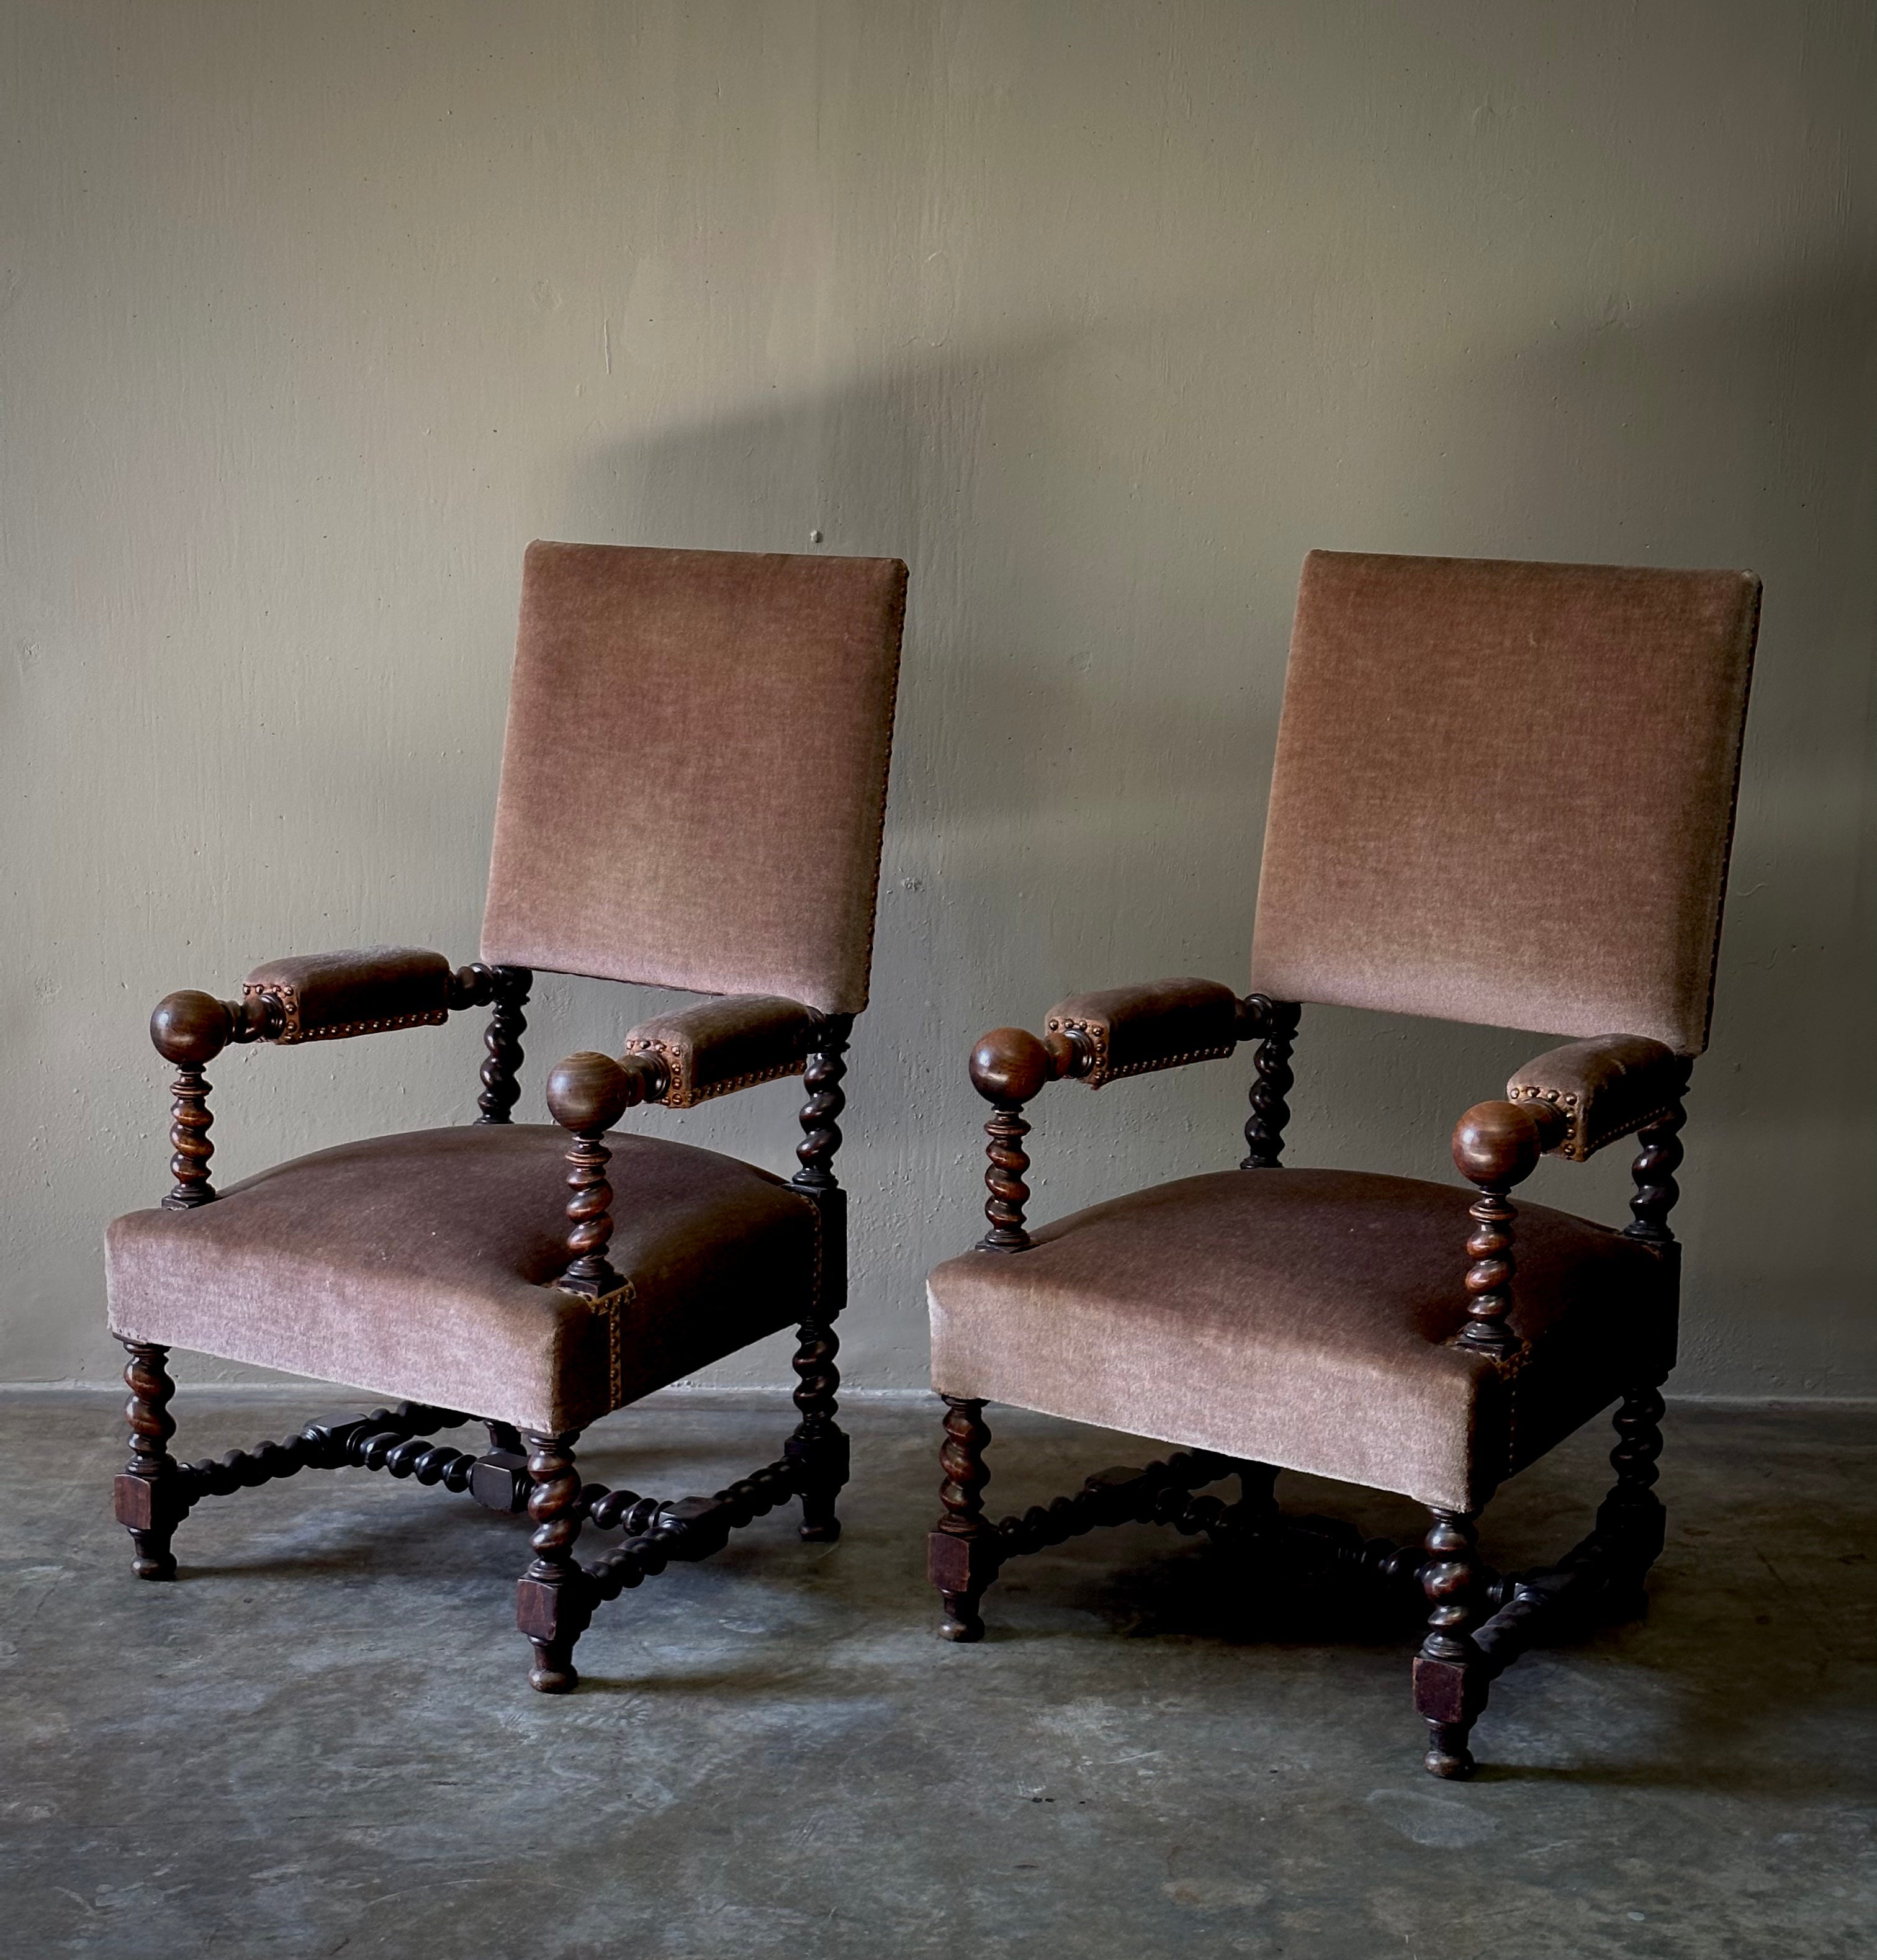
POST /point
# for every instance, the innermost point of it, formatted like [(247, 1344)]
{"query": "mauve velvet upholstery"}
[(1604, 1089), (1300, 1318), (419, 1266), (694, 774), (1504, 793)]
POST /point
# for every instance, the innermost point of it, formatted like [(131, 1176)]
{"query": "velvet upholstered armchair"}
[(1503, 794), (693, 784)]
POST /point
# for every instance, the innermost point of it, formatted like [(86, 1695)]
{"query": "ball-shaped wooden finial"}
[(1498, 1144), (589, 1091), (190, 1030), (1010, 1065)]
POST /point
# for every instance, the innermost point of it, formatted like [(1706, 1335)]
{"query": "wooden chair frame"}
[(1480, 1621), (522, 1470)]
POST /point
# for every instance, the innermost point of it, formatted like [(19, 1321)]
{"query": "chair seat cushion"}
[(1303, 1318), (421, 1266)]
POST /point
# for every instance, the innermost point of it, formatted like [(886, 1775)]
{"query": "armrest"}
[(721, 1046), (1602, 1090), (1152, 1025), (327, 996), (1095, 1038), (319, 997)]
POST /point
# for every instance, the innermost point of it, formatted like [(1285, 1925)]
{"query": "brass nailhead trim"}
[(292, 1031), (682, 1092), (1097, 1035), (609, 1305), (1578, 1144)]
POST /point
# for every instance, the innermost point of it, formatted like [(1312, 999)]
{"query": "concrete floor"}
[(321, 1741)]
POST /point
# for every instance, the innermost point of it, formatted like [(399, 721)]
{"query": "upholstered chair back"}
[(694, 774), (1504, 793)]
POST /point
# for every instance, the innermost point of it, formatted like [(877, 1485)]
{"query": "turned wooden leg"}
[(962, 1552), (819, 1448), (1631, 1520), (553, 1602), (1450, 1678), (147, 1493)]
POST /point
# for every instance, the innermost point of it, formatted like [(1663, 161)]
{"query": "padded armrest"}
[(1156, 1024), (324, 996), (728, 1043), (1604, 1089)]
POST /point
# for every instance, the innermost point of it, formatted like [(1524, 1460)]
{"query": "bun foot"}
[(1448, 1757), (553, 1674), (961, 1622)]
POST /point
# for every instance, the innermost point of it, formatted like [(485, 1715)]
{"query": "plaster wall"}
[(1100, 315)]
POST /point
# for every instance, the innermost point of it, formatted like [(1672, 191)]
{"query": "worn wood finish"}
[(1488, 1279), (508, 988), (149, 1497), (822, 1076), (188, 1030), (155, 1493), (817, 1452), (1632, 1520), (1657, 1161), (962, 1552), (1003, 1181), (587, 1093), (553, 1602), (1275, 1022), (1159, 1494), (1496, 1146), (1008, 1067), (1479, 1622), (1450, 1680)]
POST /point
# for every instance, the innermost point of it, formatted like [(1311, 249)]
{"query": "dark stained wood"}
[(508, 988), (822, 1076), (190, 1030), (1657, 1161), (1496, 1145), (149, 1494), (817, 1452), (1488, 1277), (1158, 1494), (553, 1602), (587, 1093), (1631, 1521), (191, 1150), (818, 1447), (1450, 1680), (962, 1552), (1275, 1022), (1004, 1180)]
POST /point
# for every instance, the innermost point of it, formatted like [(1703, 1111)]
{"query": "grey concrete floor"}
[(320, 1741)]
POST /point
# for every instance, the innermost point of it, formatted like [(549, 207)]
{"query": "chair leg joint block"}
[(498, 1480)]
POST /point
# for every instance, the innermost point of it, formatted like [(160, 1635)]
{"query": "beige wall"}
[(1100, 315)]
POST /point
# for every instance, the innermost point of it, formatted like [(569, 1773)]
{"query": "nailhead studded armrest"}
[(725, 1045), (326, 996), (1604, 1089), (1152, 1025)]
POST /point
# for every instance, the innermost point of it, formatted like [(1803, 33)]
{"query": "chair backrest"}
[(694, 774), (1504, 793)]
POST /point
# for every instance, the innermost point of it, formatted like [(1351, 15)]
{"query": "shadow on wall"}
[(1104, 529)]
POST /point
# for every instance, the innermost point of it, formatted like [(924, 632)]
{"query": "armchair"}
[(1503, 792), (693, 788)]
